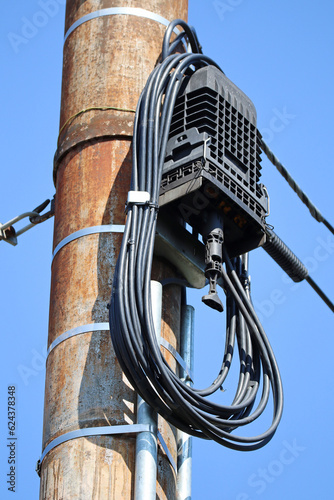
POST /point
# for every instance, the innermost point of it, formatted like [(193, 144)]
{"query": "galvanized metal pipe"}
[(146, 443), (184, 441)]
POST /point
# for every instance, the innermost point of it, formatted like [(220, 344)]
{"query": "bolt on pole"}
[(107, 61)]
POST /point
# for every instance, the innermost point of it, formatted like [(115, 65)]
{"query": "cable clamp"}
[(138, 197), (154, 205)]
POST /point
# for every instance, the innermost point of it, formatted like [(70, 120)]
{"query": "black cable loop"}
[(131, 322)]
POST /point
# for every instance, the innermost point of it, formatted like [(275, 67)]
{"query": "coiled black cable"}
[(131, 322)]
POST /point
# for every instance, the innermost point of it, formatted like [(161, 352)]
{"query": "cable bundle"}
[(131, 323)]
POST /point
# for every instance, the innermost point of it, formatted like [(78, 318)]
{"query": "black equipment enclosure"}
[(213, 160)]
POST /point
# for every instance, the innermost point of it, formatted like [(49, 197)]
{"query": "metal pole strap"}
[(96, 327), (93, 327), (166, 450), (105, 431), (178, 358), (107, 228), (112, 11)]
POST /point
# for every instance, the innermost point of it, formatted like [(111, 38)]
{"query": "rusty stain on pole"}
[(106, 63)]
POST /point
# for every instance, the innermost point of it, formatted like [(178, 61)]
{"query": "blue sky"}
[(280, 55)]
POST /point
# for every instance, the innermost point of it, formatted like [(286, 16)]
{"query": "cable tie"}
[(138, 197), (155, 206)]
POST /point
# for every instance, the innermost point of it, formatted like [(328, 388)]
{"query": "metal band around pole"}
[(166, 450), (105, 431), (96, 327), (112, 11), (93, 327), (178, 357), (107, 228), (95, 431)]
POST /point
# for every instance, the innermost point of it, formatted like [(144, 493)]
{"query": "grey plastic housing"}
[(212, 161)]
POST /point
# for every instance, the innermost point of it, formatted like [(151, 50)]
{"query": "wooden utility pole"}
[(107, 60)]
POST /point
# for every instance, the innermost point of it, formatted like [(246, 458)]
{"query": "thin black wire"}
[(316, 214), (321, 294)]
